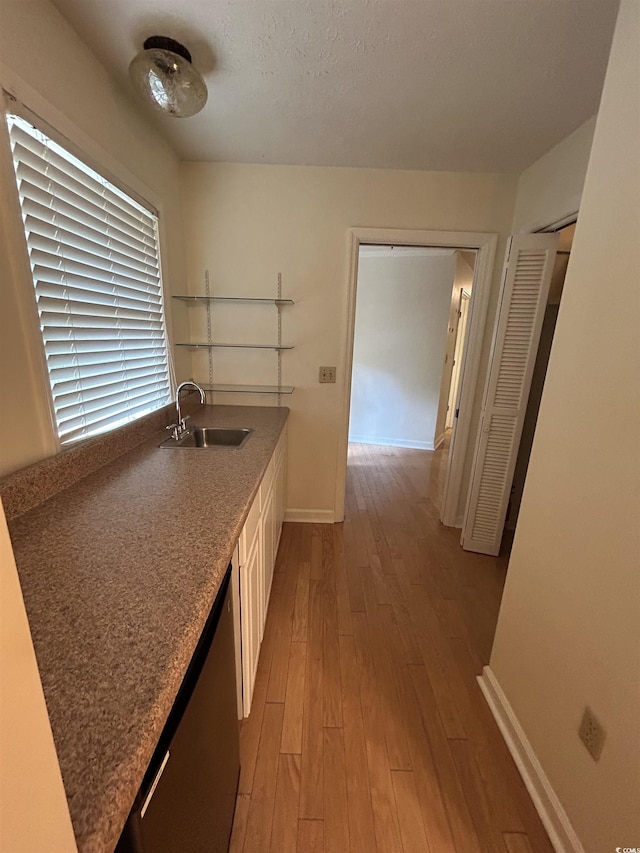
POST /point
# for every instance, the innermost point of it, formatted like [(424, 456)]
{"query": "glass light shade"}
[(168, 82)]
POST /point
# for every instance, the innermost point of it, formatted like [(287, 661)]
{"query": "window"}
[(96, 271)]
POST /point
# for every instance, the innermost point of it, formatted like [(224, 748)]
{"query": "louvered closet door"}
[(525, 287)]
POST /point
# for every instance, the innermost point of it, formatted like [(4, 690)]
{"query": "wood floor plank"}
[(260, 819), (389, 668), (451, 618), (342, 586), (517, 843), (311, 782), (384, 543), (462, 826), (378, 579), (504, 788), (361, 831), (414, 839), (336, 813), (316, 553), (282, 558), (367, 534), (360, 539), (377, 725), (411, 649), (240, 819), (500, 777), (294, 700), (284, 834), (310, 836), (301, 606), (354, 577), (305, 542), (386, 690), (431, 650), (427, 776), (283, 608), (272, 626), (251, 728), (331, 686), (491, 838)]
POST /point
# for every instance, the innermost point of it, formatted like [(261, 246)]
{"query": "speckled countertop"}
[(119, 573)]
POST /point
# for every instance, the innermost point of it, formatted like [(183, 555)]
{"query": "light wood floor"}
[(368, 731)]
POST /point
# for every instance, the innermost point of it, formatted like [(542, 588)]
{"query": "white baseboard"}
[(310, 516), (552, 814), (391, 442)]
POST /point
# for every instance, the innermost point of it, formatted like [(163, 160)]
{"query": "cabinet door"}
[(237, 627), (252, 609), (280, 497), (269, 521), (525, 287)]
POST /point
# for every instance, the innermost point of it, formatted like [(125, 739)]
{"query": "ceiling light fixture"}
[(167, 80)]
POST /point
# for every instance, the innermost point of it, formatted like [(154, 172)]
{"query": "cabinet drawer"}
[(281, 447), (250, 529), (267, 481)]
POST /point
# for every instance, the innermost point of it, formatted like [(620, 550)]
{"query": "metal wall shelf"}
[(246, 299), (251, 389), (207, 300), (235, 346)]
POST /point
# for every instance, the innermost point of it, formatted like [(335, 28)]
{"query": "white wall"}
[(33, 808), (567, 632), (46, 65), (247, 222), (551, 188), (402, 310)]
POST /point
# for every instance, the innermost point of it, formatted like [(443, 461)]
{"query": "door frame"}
[(485, 244)]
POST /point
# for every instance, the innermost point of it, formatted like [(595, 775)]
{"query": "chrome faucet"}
[(180, 429)]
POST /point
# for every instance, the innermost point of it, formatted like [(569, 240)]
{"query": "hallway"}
[(368, 731)]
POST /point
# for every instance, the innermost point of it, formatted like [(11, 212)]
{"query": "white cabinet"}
[(251, 610), (268, 551), (280, 490), (256, 556)]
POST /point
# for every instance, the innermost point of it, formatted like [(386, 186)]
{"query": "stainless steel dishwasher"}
[(187, 798)]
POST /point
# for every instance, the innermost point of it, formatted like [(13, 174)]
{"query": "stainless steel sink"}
[(197, 437)]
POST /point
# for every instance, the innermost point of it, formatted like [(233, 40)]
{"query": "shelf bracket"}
[(209, 337), (279, 351)]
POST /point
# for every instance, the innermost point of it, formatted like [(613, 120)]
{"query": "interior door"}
[(525, 287), (463, 316)]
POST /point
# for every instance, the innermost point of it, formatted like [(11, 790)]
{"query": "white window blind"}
[(96, 272)]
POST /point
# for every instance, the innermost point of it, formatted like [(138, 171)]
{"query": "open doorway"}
[(484, 245), (402, 325)]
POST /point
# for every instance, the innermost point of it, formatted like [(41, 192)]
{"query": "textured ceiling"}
[(469, 85)]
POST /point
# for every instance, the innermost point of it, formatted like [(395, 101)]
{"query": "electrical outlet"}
[(327, 374), (592, 734)]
